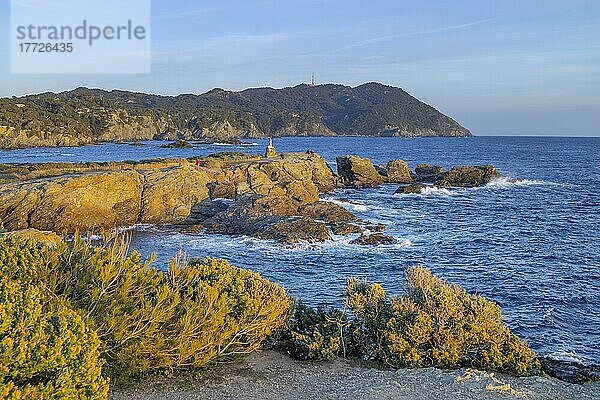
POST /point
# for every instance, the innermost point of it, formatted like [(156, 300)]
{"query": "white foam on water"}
[(435, 191), (566, 355), (221, 144), (347, 204), (404, 244), (136, 228), (504, 183)]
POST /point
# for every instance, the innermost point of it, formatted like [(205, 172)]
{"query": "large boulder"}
[(358, 172), (468, 176), (97, 201), (428, 173), (169, 195), (397, 171)]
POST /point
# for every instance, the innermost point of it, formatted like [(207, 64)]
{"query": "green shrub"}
[(436, 324), (46, 350), (317, 333)]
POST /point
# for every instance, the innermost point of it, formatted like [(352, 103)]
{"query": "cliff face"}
[(84, 116)]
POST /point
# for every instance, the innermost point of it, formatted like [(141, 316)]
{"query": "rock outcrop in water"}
[(227, 193), (358, 172), (461, 176), (468, 176)]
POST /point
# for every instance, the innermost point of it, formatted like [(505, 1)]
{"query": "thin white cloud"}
[(387, 38)]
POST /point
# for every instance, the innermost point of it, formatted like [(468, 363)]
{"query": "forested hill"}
[(83, 116)]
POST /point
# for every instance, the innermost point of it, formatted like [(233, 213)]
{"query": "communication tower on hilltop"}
[(312, 81)]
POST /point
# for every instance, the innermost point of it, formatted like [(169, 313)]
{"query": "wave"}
[(436, 191), (404, 244), (222, 144), (567, 355), (504, 182)]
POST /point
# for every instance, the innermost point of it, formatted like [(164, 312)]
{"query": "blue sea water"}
[(532, 245)]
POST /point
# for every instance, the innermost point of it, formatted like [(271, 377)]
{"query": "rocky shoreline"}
[(227, 193)]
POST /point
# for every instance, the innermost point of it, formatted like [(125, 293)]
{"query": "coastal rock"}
[(415, 188), (249, 214), (294, 230), (358, 172), (428, 173), (327, 211), (397, 171), (374, 239), (168, 195), (276, 198), (468, 176), (222, 190), (206, 209), (97, 201), (345, 228)]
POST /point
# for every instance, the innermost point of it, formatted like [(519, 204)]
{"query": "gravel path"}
[(271, 375)]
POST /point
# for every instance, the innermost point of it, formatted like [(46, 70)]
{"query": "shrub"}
[(223, 311), (317, 333), (146, 319), (436, 324), (46, 350)]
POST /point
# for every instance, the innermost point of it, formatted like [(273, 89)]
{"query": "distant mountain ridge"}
[(84, 116)]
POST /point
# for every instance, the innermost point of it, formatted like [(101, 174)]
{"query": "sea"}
[(529, 241)]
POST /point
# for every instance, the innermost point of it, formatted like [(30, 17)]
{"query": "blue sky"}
[(498, 67)]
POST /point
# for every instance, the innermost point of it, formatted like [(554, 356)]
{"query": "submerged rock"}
[(374, 239), (178, 144), (415, 188), (570, 371), (468, 176), (358, 172)]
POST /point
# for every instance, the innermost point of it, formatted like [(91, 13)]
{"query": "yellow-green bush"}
[(436, 324), (222, 311), (146, 319), (46, 350)]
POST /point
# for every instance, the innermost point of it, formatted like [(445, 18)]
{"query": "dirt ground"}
[(272, 375)]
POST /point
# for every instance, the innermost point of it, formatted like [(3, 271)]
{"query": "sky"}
[(526, 67)]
